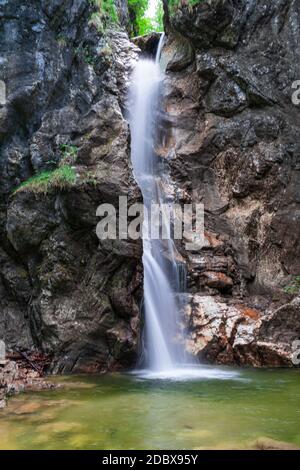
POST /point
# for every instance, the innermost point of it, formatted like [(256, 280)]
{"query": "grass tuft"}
[(62, 178)]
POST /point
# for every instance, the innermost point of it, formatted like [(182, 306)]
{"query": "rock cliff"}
[(64, 75), (234, 145)]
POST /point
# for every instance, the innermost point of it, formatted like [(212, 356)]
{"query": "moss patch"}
[(62, 178)]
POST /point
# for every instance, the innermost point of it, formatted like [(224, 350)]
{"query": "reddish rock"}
[(16, 378), (249, 312), (212, 240), (238, 334), (218, 280)]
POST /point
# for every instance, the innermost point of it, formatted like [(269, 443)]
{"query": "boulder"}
[(227, 333), (233, 146)]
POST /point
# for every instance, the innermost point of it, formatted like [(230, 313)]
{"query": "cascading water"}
[(164, 349), (164, 278)]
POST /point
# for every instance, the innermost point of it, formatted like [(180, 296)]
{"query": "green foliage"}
[(294, 287), (145, 26), (158, 19), (69, 154), (140, 24), (109, 10), (61, 178)]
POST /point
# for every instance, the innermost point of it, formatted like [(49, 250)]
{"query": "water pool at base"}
[(221, 409)]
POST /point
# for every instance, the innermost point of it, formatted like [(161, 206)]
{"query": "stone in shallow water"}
[(60, 427), (265, 443), (28, 408)]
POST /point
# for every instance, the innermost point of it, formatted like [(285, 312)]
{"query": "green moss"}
[(109, 10), (61, 178), (96, 22)]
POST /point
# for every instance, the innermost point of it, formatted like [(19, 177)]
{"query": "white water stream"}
[(164, 352), (163, 349)]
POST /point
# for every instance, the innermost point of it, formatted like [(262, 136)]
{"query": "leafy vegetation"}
[(141, 23), (159, 16), (61, 178), (106, 15), (294, 287)]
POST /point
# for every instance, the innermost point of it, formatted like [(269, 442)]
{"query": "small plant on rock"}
[(96, 22), (61, 178)]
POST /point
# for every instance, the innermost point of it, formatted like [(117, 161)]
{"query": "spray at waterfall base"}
[(164, 337), (160, 221), (159, 225)]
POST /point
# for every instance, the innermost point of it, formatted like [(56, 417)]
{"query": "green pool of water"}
[(128, 412)]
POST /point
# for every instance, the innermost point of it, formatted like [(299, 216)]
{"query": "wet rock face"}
[(61, 290), (147, 43), (234, 146), (227, 333)]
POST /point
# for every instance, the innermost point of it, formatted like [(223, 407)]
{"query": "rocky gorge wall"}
[(61, 291), (234, 145)]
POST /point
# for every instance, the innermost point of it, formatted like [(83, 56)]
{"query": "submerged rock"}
[(15, 379), (265, 443)]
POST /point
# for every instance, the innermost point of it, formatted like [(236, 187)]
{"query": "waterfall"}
[(163, 336)]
